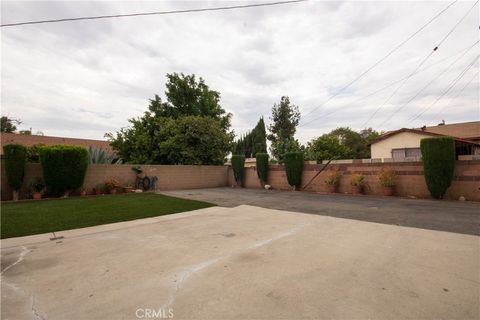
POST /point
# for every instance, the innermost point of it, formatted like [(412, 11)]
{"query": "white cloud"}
[(82, 79)]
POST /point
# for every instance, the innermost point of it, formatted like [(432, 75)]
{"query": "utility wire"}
[(452, 84), (421, 63), (382, 59), (325, 115), (153, 13), (475, 75), (428, 84)]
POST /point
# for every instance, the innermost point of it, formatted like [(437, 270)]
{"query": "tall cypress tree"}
[(253, 141)]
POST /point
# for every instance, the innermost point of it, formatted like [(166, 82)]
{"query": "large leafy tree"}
[(285, 118), (253, 142), (190, 127), (342, 143), (8, 125)]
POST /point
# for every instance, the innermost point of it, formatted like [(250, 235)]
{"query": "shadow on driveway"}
[(451, 216)]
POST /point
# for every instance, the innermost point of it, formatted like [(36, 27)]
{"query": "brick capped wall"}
[(410, 180), (169, 177)]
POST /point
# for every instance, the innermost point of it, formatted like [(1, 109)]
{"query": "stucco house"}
[(405, 143)]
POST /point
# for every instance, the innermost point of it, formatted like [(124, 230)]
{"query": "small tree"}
[(238, 166), (64, 168), (293, 168), (262, 167), (438, 156), (15, 158)]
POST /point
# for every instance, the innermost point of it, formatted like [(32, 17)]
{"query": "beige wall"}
[(410, 179), (383, 148), (169, 177)]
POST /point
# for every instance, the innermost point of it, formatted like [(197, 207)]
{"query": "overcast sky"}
[(85, 78)]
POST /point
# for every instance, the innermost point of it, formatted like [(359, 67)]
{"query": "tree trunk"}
[(15, 195)]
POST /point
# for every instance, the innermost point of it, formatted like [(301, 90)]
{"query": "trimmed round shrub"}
[(438, 156), (262, 166), (294, 167), (64, 167), (238, 166), (15, 158)]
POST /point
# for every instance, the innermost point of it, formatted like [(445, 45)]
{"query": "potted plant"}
[(333, 180), (112, 185), (357, 182), (98, 190), (83, 192), (387, 180), (128, 188), (37, 186)]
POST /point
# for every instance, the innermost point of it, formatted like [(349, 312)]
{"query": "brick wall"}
[(30, 140), (169, 177), (410, 180)]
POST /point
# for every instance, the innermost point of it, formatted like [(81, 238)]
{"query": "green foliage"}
[(64, 167), (281, 147), (8, 125), (190, 128), (33, 153), (294, 167), (37, 185), (262, 166), (341, 143), (15, 158), (285, 118), (253, 142), (438, 156), (97, 155), (238, 166)]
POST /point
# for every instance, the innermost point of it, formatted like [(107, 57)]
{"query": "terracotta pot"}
[(37, 195), (356, 189), (83, 193), (128, 189), (113, 191), (332, 188), (388, 191)]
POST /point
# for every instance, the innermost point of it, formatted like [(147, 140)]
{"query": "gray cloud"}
[(83, 79)]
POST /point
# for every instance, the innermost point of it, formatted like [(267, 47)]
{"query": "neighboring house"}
[(30, 140), (405, 143)]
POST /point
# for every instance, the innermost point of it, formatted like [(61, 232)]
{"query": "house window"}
[(406, 153)]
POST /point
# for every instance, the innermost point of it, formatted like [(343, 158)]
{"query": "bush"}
[(438, 156), (293, 168), (15, 158), (262, 166), (238, 165), (387, 177), (333, 177), (64, 167)]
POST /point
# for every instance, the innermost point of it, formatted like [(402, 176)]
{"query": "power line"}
[(421, 63), (382, 59), (153, 13), (325, 115), (428, 84), (452, 84), (458, 93)]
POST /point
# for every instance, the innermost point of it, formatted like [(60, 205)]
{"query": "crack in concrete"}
[(24, 252)]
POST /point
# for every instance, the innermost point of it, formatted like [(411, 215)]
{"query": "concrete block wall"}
[(169, 177), (410, 179)]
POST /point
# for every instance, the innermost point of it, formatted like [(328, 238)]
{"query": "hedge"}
[(262, 166), (238, 165), (438, 156), (64, 167), (293, 168), (15, 158)]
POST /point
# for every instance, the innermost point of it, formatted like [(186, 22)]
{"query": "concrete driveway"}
[(451, 216), (242, 263)]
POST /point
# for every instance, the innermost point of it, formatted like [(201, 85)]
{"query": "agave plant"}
[(97, 155)]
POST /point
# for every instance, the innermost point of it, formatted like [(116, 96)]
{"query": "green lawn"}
[(32, 217)]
